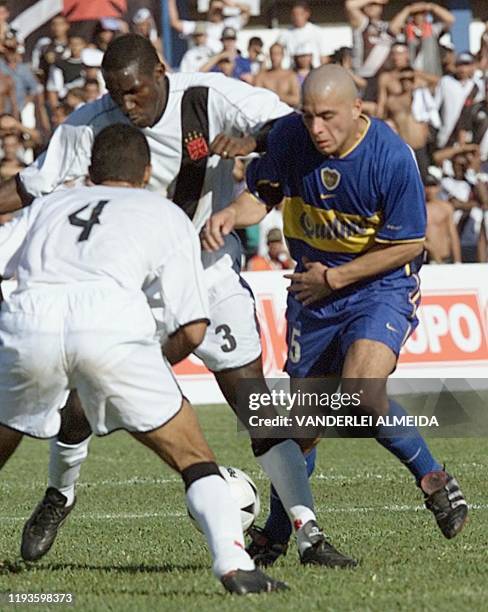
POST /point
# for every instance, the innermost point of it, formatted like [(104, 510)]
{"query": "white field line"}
[(95, 516), (138, 480)]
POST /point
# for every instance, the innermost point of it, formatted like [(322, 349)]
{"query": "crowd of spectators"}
[(406, 70)]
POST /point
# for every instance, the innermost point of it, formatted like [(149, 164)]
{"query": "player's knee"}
[(196, 471)]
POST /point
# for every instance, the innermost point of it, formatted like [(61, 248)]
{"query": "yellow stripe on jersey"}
[(329, 230), (383, 241)]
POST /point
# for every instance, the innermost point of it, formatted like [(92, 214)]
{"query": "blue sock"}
[(408, 445), (278, 525)]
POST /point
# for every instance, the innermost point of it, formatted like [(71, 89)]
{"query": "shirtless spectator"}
[(215, 23), (7, 94), (442, 239), (414, 130), (10, 163), (389, 83), (423, 23), (283, 82)]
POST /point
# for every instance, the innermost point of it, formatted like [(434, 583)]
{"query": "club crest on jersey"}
[(196, 145), (330, 178)]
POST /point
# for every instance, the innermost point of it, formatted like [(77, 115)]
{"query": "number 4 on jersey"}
[(87, 224)]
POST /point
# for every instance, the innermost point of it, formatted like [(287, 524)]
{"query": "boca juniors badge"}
[(196, 145), (330, 178)]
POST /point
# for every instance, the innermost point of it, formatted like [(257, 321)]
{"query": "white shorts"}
[(232, 339), (99, 341)]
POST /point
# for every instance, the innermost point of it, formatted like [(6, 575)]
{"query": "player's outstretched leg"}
[(283, 462), (443, 496), (271, 542), (181, 444), (67, 453)]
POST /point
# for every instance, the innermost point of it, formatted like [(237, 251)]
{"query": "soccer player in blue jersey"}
[(354, 219)]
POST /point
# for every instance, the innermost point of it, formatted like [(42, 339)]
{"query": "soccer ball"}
[(244, 492)]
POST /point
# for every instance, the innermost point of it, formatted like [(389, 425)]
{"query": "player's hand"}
[(310, 286), (216, 228), (230, 147)]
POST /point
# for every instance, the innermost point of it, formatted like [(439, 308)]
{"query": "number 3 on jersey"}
[(87, 224)]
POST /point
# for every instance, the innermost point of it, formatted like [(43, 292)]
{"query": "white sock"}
[(211, 505), (284, 463), (64, 466)]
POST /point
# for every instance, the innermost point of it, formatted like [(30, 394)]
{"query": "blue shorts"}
[(318, 341)]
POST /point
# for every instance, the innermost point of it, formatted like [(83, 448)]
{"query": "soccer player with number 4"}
[(194, 124), (79, 318), (354, 219)]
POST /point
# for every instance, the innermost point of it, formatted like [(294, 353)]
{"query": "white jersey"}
[(199, 107), (126, 238)]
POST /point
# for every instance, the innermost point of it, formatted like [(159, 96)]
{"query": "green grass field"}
[(130, 546)]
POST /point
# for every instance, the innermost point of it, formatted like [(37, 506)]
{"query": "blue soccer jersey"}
[(336, 208)]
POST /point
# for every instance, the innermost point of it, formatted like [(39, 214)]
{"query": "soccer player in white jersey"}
[(76, 254), (194, 125)]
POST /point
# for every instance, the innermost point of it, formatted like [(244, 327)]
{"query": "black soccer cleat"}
[(244, 582), (321, 552), (41, 529), (262, 549), (446, 501)]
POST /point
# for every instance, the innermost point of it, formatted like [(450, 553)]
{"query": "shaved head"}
[(330, 79), (332, 109)]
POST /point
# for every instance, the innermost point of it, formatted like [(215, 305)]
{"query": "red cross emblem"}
[(197, 146)]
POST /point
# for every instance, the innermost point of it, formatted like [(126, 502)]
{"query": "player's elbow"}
[(193, 334), (417, 248)]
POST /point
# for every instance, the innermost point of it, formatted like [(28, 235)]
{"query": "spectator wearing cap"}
[(230, 61), (198, 55), (276, 257), (66, 73), (143, 23), (303, 61), (278, 79), (456, 96), (423, 23), (303, 31), (48, 50), (215, 23), (441, 237)]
